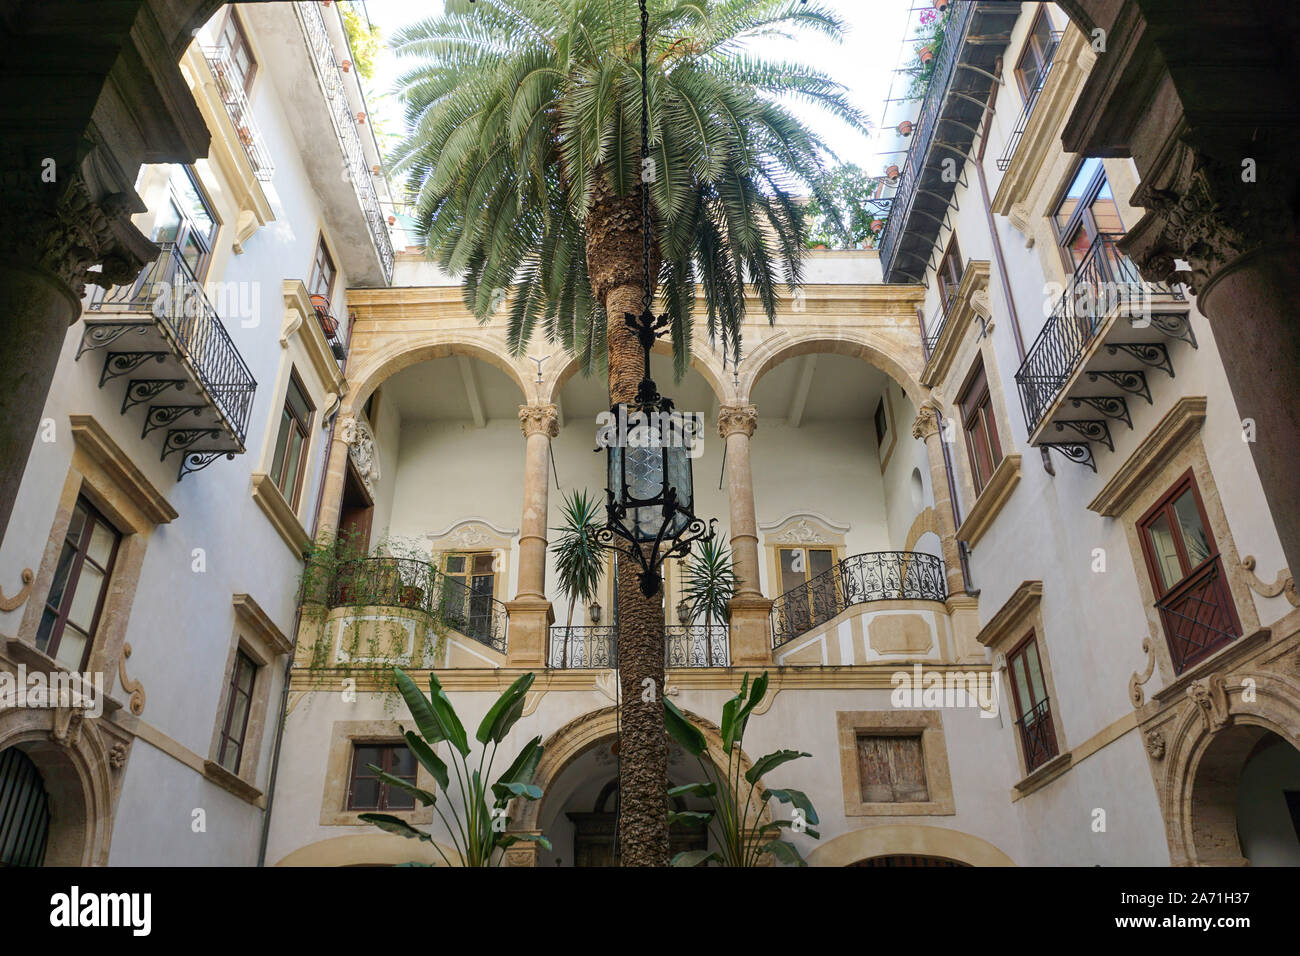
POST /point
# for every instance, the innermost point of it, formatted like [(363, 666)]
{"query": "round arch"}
[(706, 363), (77, 777), (580, 735), (366, 849), (1205, 754), (908, 839), (387, 362), (856, 344)]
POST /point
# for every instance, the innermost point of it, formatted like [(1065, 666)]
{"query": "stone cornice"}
[(965, 306), (1010, 620), (91, 438), (249, 613), (991, 500), (1164, 442)]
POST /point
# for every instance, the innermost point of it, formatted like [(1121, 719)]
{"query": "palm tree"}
[(709, 584), (525, 169), (579, 561)]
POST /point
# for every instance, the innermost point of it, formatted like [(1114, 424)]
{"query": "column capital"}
[(539, 419), (925, 423), (737, 418), (1214, 200)]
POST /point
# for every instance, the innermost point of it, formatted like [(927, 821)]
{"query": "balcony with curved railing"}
[(596, 646), (417, 585), (860, 579)]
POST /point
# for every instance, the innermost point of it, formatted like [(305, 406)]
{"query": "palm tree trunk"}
[(615, 264)]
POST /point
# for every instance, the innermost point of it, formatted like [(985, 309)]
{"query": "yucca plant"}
[(525, 170), (478, 828), (579, 561), (735, 818), (709, 583)]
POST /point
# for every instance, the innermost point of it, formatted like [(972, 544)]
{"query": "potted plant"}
[(940, 5), (925, 55), (710, 583), (905, 128), (877, 226), (892, 172), (347, 65)]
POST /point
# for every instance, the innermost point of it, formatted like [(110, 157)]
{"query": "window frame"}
[(1034, 46), (896, 797), (1048, 718), (951, 262), (277, 466), (242, 658), (241, 37), (80, 555), (322, 249), (975, 402), (386, 748), (187, 228), (1082, 217)]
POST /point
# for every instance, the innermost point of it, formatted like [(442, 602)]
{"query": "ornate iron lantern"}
[(650, 498)]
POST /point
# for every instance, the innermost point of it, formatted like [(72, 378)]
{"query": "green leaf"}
[(529, 791), (771, 761), (419, 707), (511, 839), (693, 857), (785, 852), (690, 818), (682, 730), (424, 796), (450, 725), (796, 797), (776, 826), (428, 759), (393, 825), (694, 790), (521, 771), (508, 708)]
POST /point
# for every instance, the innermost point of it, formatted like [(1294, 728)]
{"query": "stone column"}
[(751, 633), (346, 432), (531, 615)]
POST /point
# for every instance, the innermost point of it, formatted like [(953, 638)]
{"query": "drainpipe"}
[(297, 621), (997, 246)]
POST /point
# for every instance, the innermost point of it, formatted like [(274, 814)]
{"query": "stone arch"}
[(704, 362), (856, 344), (366, 849), (386, 362), (580, 735), (74, 764), (1204, 757), (908, 839)]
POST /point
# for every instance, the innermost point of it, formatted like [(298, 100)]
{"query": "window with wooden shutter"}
[(891, 769)]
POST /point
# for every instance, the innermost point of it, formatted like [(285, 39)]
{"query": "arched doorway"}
[(24, 811), (594, 833)]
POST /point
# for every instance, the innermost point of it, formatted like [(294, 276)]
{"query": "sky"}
[(864, 63)]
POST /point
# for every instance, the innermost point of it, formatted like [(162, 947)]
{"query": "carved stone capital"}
[(926, 424), (67, 226), (1215, 200), (737, 418), (539, 420), (1211, 697), (356, 434)]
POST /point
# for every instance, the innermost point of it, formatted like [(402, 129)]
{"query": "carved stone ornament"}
[(1283, 584), (132, 687), (801, 532), (356, 434), (1155, 743), (539, 419), (1135, 682), (1211, 697), (117, 756), (17, 601), (467, 537), (925, 423), (1219, 199), (737, 418), (67, 726)]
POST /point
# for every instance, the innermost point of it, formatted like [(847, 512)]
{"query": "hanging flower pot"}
[(892, 172), (347, 65), (925, 54), (392, 220), (375, 169), (361, 118), (940, 5), (905, 128), (876, 226)]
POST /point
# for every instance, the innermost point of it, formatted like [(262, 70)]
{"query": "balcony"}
[(1037, 735), (1198, 615), (860, 579), (164, 333), (330, 77), (1004, 161), (329, 327), (414, 585), (596, 647), (976, 35), (240, 112), (1109, 329)]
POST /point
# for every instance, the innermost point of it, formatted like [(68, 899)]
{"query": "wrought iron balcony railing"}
[(934, 328), (1037, 735), (1004, 161), (329, 326), (241, 113), (164, 330), (1198, 615), (1105, 283), (331, 80), (860, 579), (585, 647), (415, 584)]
